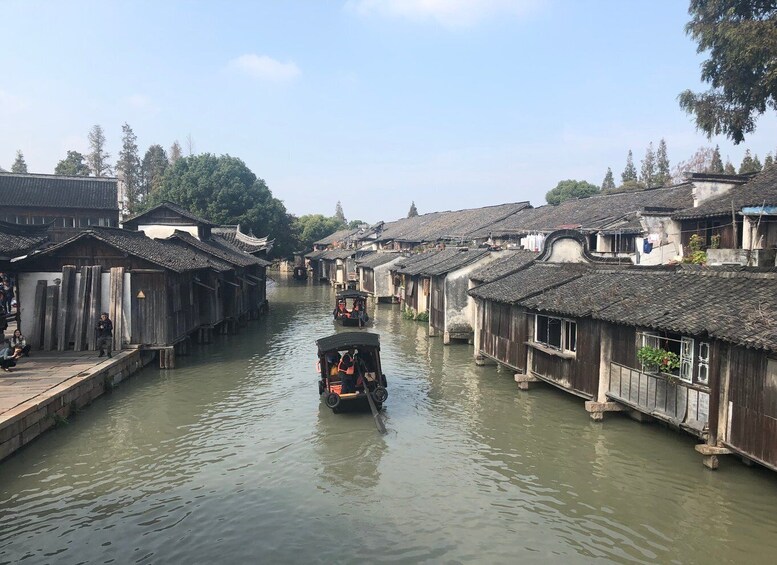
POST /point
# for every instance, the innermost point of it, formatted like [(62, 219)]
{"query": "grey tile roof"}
[(377, 259), (334, 254), (760, 191), (509, 262), (457, 261), (426, 260), (591, 213), (734, 305), (247, 243), (339, 236), (173, 207), (534, 278), (55, 191), (16, 239), (164, 254), (220, 249)]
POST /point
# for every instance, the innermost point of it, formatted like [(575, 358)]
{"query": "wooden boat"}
[(364, 349), (300, 273), (356, 315)]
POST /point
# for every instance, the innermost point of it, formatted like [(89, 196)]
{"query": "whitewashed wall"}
[(159, 232)]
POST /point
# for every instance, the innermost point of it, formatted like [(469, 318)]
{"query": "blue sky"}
[(453, 104)]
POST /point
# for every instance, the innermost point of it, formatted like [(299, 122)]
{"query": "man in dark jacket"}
[(104, 335)]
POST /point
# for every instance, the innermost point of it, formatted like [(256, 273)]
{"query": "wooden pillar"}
[(93, 307), (81, 310), (116, 307), (38, 316), (67, 293), (52, 310)]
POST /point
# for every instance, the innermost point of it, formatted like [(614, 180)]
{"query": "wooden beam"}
[(38, 316), (116, 311), (94, 307), (81, 310), (52, 311), (67, 292)]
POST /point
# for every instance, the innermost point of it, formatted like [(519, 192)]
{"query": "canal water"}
[(231, 458)]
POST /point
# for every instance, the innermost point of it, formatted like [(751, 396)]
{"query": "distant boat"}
[(300, 273), (356, 315)]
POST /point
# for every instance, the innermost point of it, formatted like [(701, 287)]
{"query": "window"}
[(682, 351), (703, 369), (556, 333)]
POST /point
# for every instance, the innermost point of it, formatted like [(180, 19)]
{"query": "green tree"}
[(152, 168), (768, 160), (739, 39), (663, 174), (413, 212), (630, 172), (729, 168), (128, 168), (568, 189), (717, 163), (339, 213), (648, 170), (312, 227), (608, 183), (19, 165), (72, 166), (225, 191), (353, 224), (629, 186), (175, 152), (749, 164), (98, 158)]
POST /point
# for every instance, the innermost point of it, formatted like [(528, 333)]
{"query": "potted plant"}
[(656, 359)]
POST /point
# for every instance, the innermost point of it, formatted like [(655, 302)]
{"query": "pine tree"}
[(630, 172), (749, 165), (339, 215), (608, 183), (729, 168), (19, 165), (97, 159), (72, 166), (757, 164), (152, 168), (175, 152), (716, 166), (413, 212), (647, 173), (128, 168), (768, 161), (663, 174)]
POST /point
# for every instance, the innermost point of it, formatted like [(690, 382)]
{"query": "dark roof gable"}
[(56, 191), (166, 211)]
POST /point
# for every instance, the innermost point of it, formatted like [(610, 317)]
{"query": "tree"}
[(739, 38), (152, 168), (608, 183), (663, 174), (175, 152), (647, 173), (72, 165), (413, 212), (749, 164), (717, 163), (312, 227), (339, 212), (225, 191), (128, 168), (729, 168), (630, 172), (629, 186), (699, 162), (19, 165), (568, 189), (190, 144), (768, 160), (98, 158), (353, 224)]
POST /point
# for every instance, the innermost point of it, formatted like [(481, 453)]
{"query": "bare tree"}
[(97, 159)]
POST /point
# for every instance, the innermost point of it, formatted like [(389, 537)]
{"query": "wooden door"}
[(149, 308)]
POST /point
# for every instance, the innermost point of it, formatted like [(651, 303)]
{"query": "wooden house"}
[(374, 272), (166, 218), (414, 289), (65, 202)]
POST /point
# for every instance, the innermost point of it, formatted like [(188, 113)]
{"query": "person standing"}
[(104, 335)]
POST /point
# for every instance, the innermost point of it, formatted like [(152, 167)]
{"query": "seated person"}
[(346, 370), (341, 310), (18, 342), (332, 361), (8, 357)]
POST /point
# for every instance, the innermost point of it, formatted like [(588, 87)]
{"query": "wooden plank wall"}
[(93, 306), (38, 316), (81, 309), (116, 307), (52, 312), (67, 295)]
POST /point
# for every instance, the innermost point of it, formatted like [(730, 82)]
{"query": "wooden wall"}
[(368, 280), (437, 303), (503, 332)]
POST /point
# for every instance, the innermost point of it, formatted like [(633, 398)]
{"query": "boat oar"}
[(374, 410)]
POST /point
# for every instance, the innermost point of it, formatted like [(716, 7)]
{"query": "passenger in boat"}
[(347, 371), (332, 362), (341, 311), (358, 311)]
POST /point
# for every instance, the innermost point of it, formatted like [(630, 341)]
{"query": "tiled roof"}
[(733, 305), (507, 263), (457, 261), (337, 237), (315, 255), (55, 191), (16, 239), (173, 207), (220, 249), (164, 254), (451, 225), (532, 279), (760, 191), (426, 260), (247, 243), (377, 259), (334, 254), (591, 213)]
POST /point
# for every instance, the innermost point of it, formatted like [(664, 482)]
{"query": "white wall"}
[(159, 232), (566, 250)]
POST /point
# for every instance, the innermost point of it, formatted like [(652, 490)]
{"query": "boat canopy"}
[(351, 294), (345, 340)]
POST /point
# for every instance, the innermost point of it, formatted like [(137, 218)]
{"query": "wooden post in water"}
[(94, 307), (38, 316), (52, 310), (81, 310), (115, 310), (66, 299)]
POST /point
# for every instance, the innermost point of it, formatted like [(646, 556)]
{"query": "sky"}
[(376, 103)]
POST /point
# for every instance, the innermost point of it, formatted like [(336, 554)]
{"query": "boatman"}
[(347, 372)]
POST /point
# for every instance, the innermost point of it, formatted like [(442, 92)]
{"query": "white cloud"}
[(449, 13), (264, 67)]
